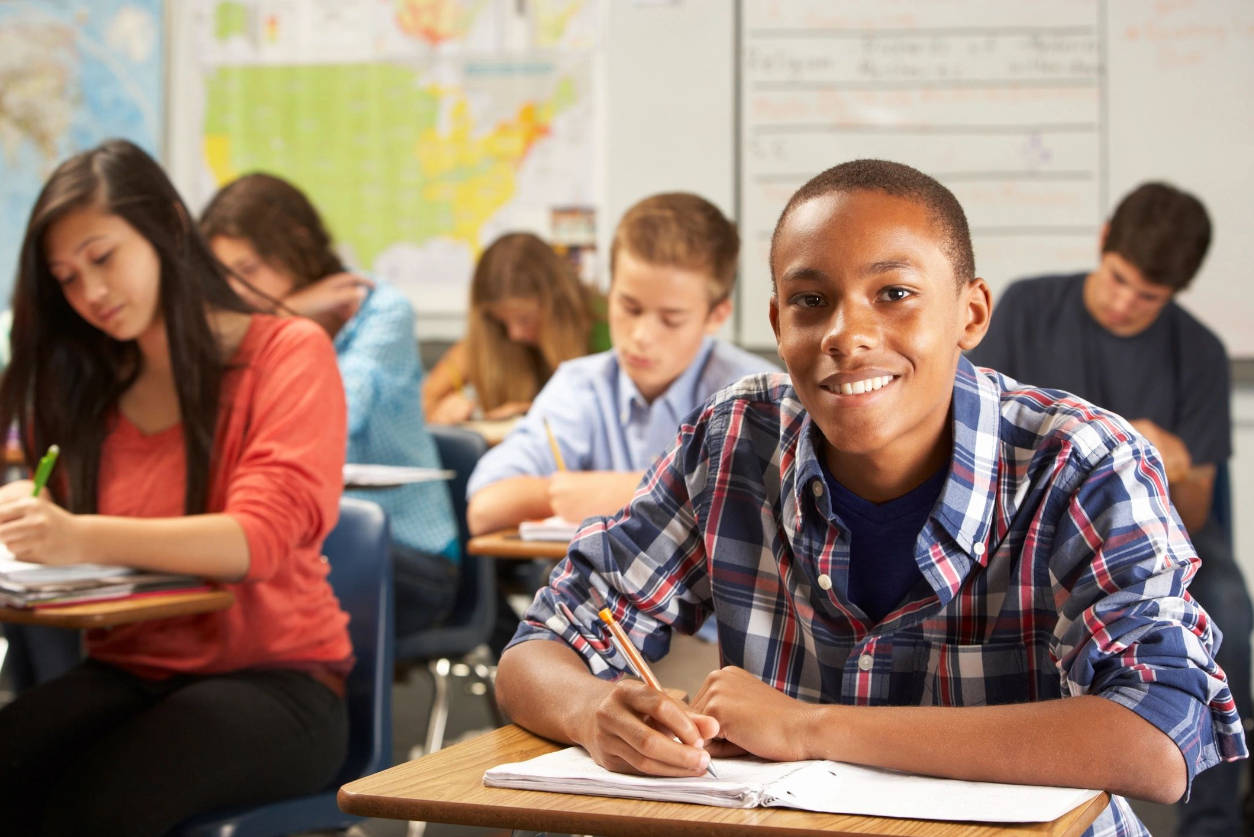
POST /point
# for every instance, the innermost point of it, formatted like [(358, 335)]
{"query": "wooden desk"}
[(121, 611), (507, 544), (493, 431), (447, 786)]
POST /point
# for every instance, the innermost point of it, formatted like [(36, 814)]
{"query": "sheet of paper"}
[(550, 529), (358, 475), (826, 786)]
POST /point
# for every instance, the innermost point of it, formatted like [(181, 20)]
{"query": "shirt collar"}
[(680, 396), (965, 508)]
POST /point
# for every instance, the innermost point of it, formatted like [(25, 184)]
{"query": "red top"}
[(277, 469)]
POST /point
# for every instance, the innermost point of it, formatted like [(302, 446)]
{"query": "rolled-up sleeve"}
[(286, 488), (1128, 630)]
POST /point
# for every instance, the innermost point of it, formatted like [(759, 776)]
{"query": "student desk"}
[(507, 544), (105, 614), (493, 431), (447, 786)]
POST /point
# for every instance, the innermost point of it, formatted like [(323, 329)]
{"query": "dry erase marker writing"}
[(625, 647), (557, 452), (44, 469)]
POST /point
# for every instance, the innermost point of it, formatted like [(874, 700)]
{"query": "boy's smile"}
[(870, 321)]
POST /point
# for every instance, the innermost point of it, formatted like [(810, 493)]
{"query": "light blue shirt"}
[(600, 420), (378, 359)]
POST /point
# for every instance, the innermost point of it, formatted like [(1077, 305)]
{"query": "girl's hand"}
[(36, 529), (452, 409), (753, 717), (338, 294), (633, 729), (507, 410)]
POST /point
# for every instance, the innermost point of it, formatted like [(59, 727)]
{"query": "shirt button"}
[(825, 581), (978, 549), (865, 662), (817, 488)]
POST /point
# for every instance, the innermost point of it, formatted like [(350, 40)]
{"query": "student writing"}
[(673, 265), (1034, 627), (1117, 337), (195, 437), (528, 313), (274, 242)]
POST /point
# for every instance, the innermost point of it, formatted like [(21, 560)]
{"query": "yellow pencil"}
[(557, 452)]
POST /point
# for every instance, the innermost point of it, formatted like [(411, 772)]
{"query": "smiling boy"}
[(910, 562), (673, 266)]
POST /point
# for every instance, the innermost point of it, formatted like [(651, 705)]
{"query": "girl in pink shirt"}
[(196, 437)]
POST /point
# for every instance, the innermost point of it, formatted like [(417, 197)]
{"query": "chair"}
[(361, 575), (470, 622), (1221, 500)]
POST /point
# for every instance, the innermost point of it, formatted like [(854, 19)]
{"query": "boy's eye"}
[(673, 322), (895, 294), (807, 300)]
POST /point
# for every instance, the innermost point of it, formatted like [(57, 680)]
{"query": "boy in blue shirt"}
[(1049, 564), (672, 269)]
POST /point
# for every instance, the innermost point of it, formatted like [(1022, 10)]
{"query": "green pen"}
[(44, 469)]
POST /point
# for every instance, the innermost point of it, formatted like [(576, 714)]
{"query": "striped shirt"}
[(1055, 565)]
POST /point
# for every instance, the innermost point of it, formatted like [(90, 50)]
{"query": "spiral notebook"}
[(826, 786)]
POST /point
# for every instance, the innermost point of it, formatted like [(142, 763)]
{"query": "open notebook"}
[(826, 786), (549, 529)]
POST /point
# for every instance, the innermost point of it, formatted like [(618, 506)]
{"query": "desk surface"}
[(507, 544), (447, 786), (122, 611)]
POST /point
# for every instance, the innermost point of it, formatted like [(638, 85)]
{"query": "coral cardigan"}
[(276, 468)]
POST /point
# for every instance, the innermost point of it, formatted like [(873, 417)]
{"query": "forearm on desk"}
[(530, 676), (507, 503), (1084, 741), (209, 545)]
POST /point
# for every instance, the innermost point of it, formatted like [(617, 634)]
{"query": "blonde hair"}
[(680, 229), (522, 266)]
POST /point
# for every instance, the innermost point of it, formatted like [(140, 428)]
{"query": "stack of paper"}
[(36, 585), (550, 529), (359, 475), (827, 786)]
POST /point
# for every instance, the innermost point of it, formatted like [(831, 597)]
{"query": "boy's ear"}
[(717, 316), (1101, 240), (976, 309), (773, 314)]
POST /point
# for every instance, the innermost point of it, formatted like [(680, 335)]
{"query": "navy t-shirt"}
[(1174, 373), (882, 536)]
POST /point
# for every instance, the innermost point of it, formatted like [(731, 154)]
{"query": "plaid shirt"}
[(1055, 561)]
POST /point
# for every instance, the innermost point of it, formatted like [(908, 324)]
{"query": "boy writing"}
[(1116, 337), (672, 267), (1040, 557)]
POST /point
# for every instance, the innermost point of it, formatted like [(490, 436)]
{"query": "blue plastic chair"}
[(361, 575), (470, 622)]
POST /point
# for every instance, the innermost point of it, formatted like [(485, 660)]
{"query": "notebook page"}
[(740, 784), (838, 788)]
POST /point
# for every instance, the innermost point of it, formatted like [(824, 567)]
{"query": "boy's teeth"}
[(867, 385)]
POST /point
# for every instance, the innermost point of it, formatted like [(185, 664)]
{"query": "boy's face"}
[(658, 317), (870, 322), (1121, 299)]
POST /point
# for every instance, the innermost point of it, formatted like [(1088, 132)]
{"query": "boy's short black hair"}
[(1163, 231), (900, 181)]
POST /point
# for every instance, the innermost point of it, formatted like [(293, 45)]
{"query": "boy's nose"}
[(850, 330)]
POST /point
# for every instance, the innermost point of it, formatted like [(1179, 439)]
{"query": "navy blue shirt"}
[(882, 536)]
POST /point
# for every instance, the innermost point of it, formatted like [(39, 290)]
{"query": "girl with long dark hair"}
[(197, 437)]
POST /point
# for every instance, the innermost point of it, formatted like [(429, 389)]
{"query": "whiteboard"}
[(1039, 116)]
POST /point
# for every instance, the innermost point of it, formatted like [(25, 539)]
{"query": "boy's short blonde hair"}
[(680, 229)]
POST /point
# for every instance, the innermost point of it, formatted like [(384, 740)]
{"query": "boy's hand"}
[(339, 293), (577, 495), (753, 717), (633, 729), (38, 530)]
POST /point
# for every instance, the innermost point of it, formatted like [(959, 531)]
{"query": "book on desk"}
[(27, 585), (553, 528), (823, 786)]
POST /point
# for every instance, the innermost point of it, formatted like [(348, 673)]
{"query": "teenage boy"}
[(891, 543), (672, 268), (1116, 337)]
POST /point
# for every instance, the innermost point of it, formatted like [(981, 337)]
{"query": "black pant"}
[(100, 751)]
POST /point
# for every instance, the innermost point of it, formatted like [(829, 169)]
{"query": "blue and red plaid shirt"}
[(1056, 566)]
